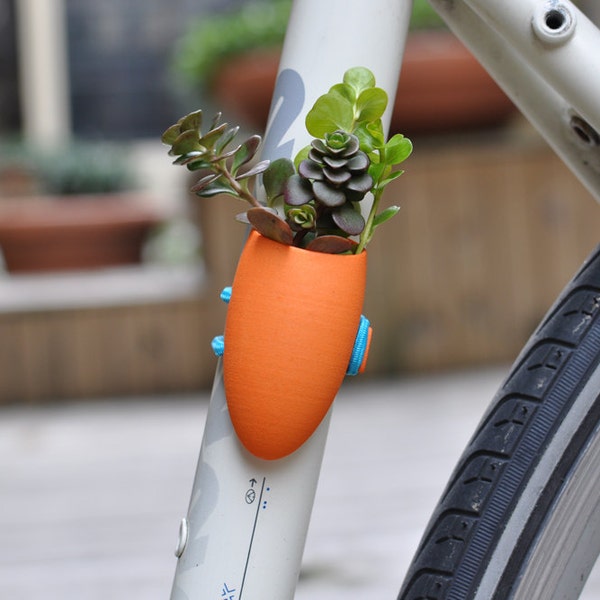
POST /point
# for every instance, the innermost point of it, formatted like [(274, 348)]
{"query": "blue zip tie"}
[(218, 345), (360, 346)]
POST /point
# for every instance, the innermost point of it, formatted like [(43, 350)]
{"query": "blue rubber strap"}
[(360, 346)]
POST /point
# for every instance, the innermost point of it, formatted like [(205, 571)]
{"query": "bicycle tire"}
[(520, 516)]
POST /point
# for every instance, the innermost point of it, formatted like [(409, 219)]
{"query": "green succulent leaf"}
[(258, 168), (246, 153), (275, 176), (171, 134), (302, 217), (341, 142), (377, 170), (186, 142), (329, 113), (224, 155), (385, 215), (359, 79), (371, 104), (393, 175), (212, 137), (226, 139), (203, 182), (345, 91), (370, 136), (184, 159), (196, 165), (192, 122), (215, 188), (397, 149), (302, 155), (216, 121)]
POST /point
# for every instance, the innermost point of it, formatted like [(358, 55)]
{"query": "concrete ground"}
[(91, 493)]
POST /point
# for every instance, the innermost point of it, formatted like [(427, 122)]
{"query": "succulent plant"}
[(320, 196), (314, 202), (212, 155)]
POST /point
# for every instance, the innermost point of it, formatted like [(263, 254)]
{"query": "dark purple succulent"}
[(330, 180)]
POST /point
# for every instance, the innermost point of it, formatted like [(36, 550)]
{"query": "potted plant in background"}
[(71, 209), (299, 286), (442, 87), (233, 57)]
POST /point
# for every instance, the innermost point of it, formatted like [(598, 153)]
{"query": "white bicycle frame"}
[(244, 534)]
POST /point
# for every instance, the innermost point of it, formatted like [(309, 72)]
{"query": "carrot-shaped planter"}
[(294, 327), (290, 334)]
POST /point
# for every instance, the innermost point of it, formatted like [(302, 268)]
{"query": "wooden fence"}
[(487, 235)]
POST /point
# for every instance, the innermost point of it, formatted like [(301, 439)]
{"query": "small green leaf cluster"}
[(356, 106)]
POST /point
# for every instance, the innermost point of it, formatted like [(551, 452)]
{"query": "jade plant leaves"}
[(270, 225), (186, 142), (192, 122), (331, 244), (319, 191), (245, 153), (275, 178)]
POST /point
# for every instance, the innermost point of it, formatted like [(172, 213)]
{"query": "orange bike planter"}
[(294, 326), (292, 322)]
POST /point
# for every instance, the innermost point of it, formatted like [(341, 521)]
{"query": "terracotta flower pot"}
[(442, 87), (49, 234), (289, 335), (244, 84)]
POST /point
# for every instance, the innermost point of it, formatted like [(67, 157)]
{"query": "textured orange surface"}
[(289, 333)]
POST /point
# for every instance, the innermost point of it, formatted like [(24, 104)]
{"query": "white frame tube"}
[(551, 80), (246, 526)]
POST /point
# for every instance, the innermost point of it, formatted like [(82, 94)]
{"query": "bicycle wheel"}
[(520, 516)]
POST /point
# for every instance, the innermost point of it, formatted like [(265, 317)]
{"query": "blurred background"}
[(110, 273), (491, 227)]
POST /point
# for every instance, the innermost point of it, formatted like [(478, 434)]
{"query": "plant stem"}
[(367, 232), (242, 193)]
